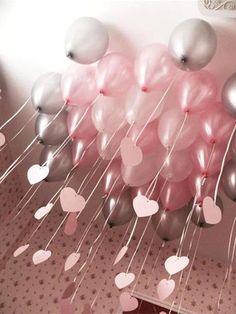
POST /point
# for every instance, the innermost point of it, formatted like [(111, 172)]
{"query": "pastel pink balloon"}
[(216, 125), (84, 152), (143, 189), (154, 68), (112, 181), (114, 74), (80, 126), (175, 195), (195, 90), (178, 166), (79, 84), (169, 125), (108, 114), (201, 152)]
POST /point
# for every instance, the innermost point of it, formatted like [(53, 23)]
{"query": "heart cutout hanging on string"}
[(212, 213), (121, 254), (87, 309), (71, 202), (71, 260), (2, 139), (127, 302), (164, 288), (131, 154), (71, 224), (20, 250), (66, 307), (123, 280), (70, 289), (41, 256), (144, 207), (175, 264), (42, 211), (37, 173)]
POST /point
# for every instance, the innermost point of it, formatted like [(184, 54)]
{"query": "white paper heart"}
[(41, 256), (127, 302), (71, 260), (37, 173), (164, 288), (131, 154), (121, 254), (70, 201), (162, 312), (2, 139), (144, 207), (212, 213), (123, 280), (175, 264), (20, 250), (42, 211)]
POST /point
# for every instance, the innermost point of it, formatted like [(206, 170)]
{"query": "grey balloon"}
[(170, 224), (46, 93), (229, 95), (59, 165), (198, 216), (51, 130), (192, 44), (119, 207), (228, 179)]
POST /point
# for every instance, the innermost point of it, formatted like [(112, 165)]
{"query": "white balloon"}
[(86, 40)]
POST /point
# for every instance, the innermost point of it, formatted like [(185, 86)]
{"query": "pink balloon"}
[(175, 195), (79, 85), (108, 114), (216, 125), (143, 189), (202, 152), (169, 125), (154, 68), (140, 106), (195, 90), (112, 180), (114, 74), (84, 152), (178, 166), (80, 126)]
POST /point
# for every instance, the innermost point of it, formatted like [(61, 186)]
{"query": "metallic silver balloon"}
[(192, 44), (59, 165), (86, 40), (46, 93), (51, 130), (170, 224), (228, 180), (229, 95), (119, 207), (198, 216)]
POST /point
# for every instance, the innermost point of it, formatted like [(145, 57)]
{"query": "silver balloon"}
[(170, 224), (119, 208), (46, 93), (192, 44), (228, 180), (51, 130), (229, 95), (59, 165), (86, 40), (198, 216)]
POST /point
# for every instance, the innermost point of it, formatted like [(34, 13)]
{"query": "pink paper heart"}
[(70, 289), (70, 201), (144, 207), (71, 224), (130, 153), (87, 309), (71, 260), (211, 211), (175, 264), (162, 312), (121, 254), (20, 250), (164, 288), (2, 139), (37, 173), (67, 307), (123, 280), (42, 211), (41, 256), (127, 302)]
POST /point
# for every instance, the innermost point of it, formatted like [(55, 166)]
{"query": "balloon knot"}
[(70, 55), (102, 91), (187, 110), (212, 141), (144, 89), (184, 59)]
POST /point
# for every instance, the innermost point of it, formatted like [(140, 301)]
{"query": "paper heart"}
[(41, 256), (67, 307), (87, 309), (20, 250), (127, 302), (70, 201), (212, 213), (175, 264), (164, 288), (37, 173), (42, 211), (123, 280), (71, 224), (162, 312), (71, 260), (131, 154), (144, 207), (121, 254), (70, 289), (2, 139)]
